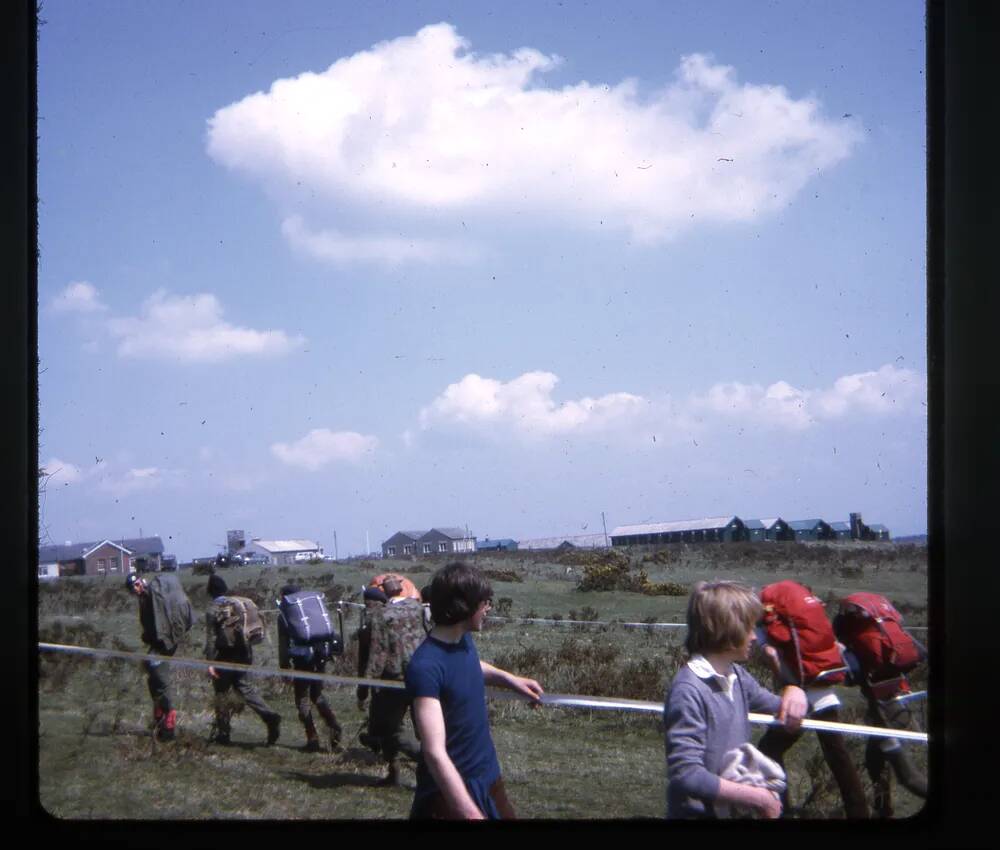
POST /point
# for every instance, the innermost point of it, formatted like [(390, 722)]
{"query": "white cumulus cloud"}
[(190, 328), (321, 447), (884, 391), (78, 297), (525, 405), (422, 125)]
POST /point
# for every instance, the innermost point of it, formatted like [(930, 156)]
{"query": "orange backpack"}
[(409, 588), (797, 626)]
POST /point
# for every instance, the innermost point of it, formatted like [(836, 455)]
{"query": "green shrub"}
[(594, 669), (503, 575)]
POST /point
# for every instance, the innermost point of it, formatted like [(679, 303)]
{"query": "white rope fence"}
[(554, 700)]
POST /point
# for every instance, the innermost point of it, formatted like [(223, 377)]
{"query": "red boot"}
[(168, 729)]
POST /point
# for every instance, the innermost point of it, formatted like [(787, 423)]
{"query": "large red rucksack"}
[(871, 628), (797, 626)]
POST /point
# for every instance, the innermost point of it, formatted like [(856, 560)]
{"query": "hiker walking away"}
[(226, 624), (306, 641), (395, 630), (458, 775), (880, 652), (165, 615), (801, 649)]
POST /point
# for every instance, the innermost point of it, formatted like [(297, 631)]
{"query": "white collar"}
[(702, 668)]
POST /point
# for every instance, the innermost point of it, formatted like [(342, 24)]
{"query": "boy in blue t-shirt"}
[(458, 776)]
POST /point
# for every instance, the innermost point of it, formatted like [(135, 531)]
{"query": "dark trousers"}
[(435, 807), (309, 692), (158, 679), (882, 754), (777, 741), (228, 680), (385, 722)]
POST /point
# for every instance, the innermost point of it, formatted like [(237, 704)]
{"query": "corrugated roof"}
[(583, 541), (803, 524), (680, 525), (287, 545)]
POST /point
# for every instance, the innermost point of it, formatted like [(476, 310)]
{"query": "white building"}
[(282, 553)]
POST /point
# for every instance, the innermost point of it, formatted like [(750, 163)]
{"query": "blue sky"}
[(362, 267)]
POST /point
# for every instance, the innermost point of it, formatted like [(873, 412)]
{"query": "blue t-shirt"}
[(451, 674)]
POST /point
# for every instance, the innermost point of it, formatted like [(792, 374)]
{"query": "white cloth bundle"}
[(749, 766)]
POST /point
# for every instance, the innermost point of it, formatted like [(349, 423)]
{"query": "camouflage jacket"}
[(397, 629), (241, 655)]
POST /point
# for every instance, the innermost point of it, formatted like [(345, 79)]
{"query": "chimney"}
[(856, 526)]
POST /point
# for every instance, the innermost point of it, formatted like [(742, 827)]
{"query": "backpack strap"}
[(798, 650)]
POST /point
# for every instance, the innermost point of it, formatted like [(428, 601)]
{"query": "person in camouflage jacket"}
[(225, 680), (395, 630)]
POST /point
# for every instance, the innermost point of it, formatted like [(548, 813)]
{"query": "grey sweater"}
[(701, 724)]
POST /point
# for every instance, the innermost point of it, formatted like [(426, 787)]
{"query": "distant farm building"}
[(812, 529), (775, 528), (842, 530), (437, 541), (440, 541), (709, 529), (504, 544), (105, 557), (401, 543), (755, 530), (879, 531), (282, 553), (570, 541)]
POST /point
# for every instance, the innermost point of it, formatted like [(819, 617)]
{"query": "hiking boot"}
[(273, 730), (221, 738), (371, 742), (312, 745)]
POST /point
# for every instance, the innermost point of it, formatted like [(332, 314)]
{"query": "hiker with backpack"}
[(880, 652), (232, 627), (801, 649), (307, 639), (395, 630), (165, 615)]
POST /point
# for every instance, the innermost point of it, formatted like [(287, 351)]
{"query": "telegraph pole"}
[(336, 557), (604, 523)]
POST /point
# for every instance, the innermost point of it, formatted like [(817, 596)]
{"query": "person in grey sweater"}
[(707, 703)]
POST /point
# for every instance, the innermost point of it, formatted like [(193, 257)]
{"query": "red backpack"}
[(797, 626), (871, 628)]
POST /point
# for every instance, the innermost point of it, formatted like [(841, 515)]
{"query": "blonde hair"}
[(720, 615)]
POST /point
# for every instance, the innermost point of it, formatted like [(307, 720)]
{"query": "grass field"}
[(98, 760)]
